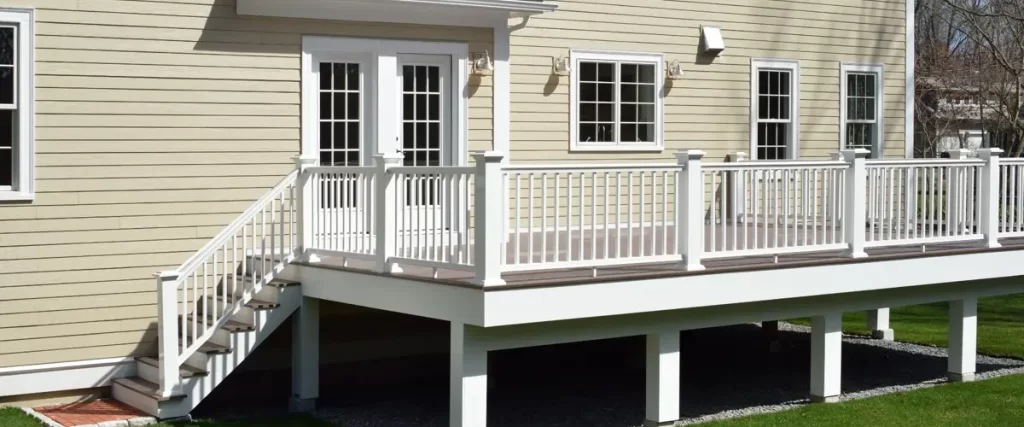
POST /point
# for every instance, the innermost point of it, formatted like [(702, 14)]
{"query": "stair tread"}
[(185, 371), (210, 347), (230, 325), (253, 303), (146, 388), (277, 282)]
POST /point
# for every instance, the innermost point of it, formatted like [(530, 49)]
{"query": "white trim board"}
[(910, 66), (462, 13), (793, 66), (33, 379)]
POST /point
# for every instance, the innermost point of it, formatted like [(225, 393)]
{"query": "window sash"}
[(790, 93), (617, 121), (872, 96)]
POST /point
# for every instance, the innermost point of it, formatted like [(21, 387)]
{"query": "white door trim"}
[(386, 53)]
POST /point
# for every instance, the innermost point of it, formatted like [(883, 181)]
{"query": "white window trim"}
[(756, 65), (24, 187), (879, 71), (577, 55)]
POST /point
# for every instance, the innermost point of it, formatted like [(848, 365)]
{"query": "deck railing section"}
[(1011, 200), (198, 297), (433, 220), (774, 207), (342, 203)]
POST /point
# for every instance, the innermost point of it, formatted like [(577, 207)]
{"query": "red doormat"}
[(94, 412)]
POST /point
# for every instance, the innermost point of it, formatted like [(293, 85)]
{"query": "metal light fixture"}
[(482, 65), (561, 66), (674, 70)]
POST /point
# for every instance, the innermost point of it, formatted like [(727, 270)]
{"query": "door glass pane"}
[(422, 129), (340, 131)]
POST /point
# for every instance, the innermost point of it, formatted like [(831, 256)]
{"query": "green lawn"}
[(1000, 325), (14, 417)]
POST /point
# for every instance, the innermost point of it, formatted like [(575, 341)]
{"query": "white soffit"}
[(466, 13)]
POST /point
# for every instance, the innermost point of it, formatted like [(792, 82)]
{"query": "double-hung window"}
[(617, 103), (16, 105), (861, 107), (774, 109)]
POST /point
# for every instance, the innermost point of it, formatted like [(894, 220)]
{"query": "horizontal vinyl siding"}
[(158, 122), (709, 108)]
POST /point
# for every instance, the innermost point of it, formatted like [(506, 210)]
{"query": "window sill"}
[(617, 148), (16, 196)]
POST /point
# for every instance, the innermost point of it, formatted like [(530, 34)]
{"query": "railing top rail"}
[(215, 243), (342, 169), (924, 162), (781, 164), (586, 167), (1011, 160), (432, 170)]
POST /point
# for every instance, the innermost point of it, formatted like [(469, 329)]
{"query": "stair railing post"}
[(386, 209), (488, 205), (690, 209), (304, 208), (990, 191), (167, 312), (855, 206)]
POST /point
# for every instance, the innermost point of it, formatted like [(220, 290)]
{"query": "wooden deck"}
[(653, 242)]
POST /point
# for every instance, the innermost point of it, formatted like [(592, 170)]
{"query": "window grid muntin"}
[(617, 126), (342, 148), (775, 112)]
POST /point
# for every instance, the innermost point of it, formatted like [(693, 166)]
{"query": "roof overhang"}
[(465, 13)]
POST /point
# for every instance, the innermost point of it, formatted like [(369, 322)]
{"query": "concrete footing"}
[(825, 399), (884, 334), (960, 378)]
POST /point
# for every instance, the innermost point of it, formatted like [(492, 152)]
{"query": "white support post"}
[(826, 357), (855, 205), (488, 214), (385, 210), (989, 209), (963, 339), (304, 208), (305, 356), (167, 337), (878, 324), (662, 378), (468, 379), (690, 209)]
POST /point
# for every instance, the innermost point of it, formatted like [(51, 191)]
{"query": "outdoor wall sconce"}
[(674, 70), (482, 64), (561, 66)]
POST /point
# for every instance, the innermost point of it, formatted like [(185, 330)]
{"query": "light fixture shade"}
[(711, 41), (482, 65), (561, 66), (674, 70)]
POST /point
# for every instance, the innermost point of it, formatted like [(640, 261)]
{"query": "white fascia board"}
[(462, 13), (546, 304), (44, 378)]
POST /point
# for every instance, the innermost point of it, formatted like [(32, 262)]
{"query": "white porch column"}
[(468, 376), (305, 356), (878, 324), (690, 209), (826, 356), (502, 88), (989, 209), (963, 339), (854, 212), (662, 378)]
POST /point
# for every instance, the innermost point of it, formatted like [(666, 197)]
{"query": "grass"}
[(992, 403), (999, 325), (14, 417)]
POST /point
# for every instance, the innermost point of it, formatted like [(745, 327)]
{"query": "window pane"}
[(339, 106), (645, 133), (6, 167), (762, 106), (325, 158), (325, 135), (606, 92), (628, 93), (762, 82), (784, 80), (645, 113), (588, 132), (870, 85), (325, 76), (408, 139), (421, 107), (588, 112), (353, 106), (340, 135), (7, 124), (434, 79), (646, 93), (784, 107), (325, 105), (628, 132), (606, 72), (588, 72), (339, 76), (629, 73), (647, 73), (869, 109), (588, 91), (353, 136), (407, 78), (604, 112), (606, 133), (435, 107), (627, 114), (421, 79), (353, 77), (408, 104)]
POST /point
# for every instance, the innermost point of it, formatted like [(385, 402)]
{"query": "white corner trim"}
[(44, 378), (793, 66), (878, 149), (502, 96), (909, 65), (657, 59)]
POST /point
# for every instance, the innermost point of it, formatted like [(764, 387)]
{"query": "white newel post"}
[(690, 209), (304, 207), (990, 196), (855, 205), (385, 211), (488, 236), (167, 312)]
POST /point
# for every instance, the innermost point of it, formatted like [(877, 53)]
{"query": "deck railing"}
[(490, 218)]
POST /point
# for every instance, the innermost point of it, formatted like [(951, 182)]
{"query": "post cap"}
[(689, 154), (857, 153), (986, 153), (167, 274), (389, 158), (305, 160), (959, 153), (488, 156), (738, 156)]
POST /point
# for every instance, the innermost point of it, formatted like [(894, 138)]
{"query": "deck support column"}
[(305, 356), (662, 378), (878, 324), (963, 339), (826, 356), (468, 379)]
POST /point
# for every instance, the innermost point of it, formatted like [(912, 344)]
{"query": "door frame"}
[(383, 136)]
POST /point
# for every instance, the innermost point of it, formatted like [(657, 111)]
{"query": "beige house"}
[(141, 132)]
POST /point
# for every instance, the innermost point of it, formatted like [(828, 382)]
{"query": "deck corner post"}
[(385, 209), (663, 370), (305, 356), (989, 209), (167, 309), (689, 216), (854, 212), (826, 357), (303, 206), (488, 216), (467, 400), (963, 339)]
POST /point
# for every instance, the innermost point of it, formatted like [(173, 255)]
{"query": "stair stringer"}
[(220, 366)]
